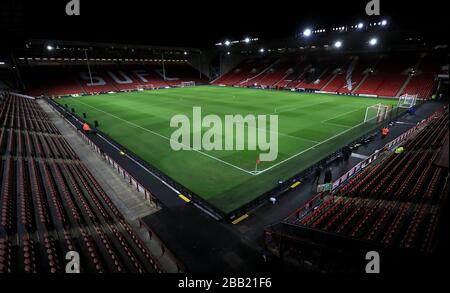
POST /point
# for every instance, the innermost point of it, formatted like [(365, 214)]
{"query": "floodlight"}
[(307, 32), (247, 40), (360, 25), (261, 50), (338, 44), (49, 48), (227, 43), (373, 41), (384, 22)]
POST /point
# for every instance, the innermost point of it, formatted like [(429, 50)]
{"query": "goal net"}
[(376, 113), (145, 87), (407, 101), (187, 83)]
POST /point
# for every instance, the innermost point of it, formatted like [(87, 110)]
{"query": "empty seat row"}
[(396, 202), (50, 205)]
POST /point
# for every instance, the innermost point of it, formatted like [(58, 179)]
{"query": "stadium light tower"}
[(373, 41), (338, 44), (307, 32)]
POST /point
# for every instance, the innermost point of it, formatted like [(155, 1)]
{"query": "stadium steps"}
[(262, 72), (283, 78), (402, 88), (330, 81), (367, 75), (50, 204), (408, 79), (385, 208), (161, 255), (299, 77), (131, 205)]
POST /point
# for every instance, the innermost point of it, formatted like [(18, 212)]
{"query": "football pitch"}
[(310, 127)]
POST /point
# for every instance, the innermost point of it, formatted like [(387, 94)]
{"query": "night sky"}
[(198, 23)]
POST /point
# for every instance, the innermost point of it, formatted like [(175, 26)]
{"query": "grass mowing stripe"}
[(223, 186), (304, 151), (167, 138)]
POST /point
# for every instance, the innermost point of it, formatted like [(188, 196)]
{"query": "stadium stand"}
[(357, 66), (387, 76), (370, 74), (318, 73), (50, 203), (276, 73), (57, 80), (394, 204), (424, 77), (246, 73)]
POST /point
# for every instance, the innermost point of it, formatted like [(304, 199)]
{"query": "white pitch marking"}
[(359, 156), (164, 137), (310, 148)]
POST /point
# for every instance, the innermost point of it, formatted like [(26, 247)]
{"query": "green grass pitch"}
[(311, 126)]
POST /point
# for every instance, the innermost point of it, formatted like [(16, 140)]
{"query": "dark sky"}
[(197, 23)]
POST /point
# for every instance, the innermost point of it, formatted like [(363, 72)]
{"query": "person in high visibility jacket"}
[(384, 132), (86, 128), (399, 150)]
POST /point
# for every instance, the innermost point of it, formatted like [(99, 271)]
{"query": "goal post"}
[(407, 101), (145, 87), (376, 113), (187, 83)]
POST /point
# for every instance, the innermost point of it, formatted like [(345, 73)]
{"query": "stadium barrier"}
[(164, 249), (178, 188), (130, 179), (307, 206), (361, 165), (150, 258)]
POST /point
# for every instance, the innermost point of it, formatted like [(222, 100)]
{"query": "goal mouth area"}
[(377, 113), (145, 87), (407, 101), (187, 83)]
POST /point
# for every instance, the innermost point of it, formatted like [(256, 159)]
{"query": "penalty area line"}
[(308, 149)]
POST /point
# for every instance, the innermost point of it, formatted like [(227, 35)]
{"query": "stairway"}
[(330, 81), (262, 72), (408, 79), (366, 76)]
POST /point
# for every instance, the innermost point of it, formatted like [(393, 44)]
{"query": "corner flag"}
[(258, 161)]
